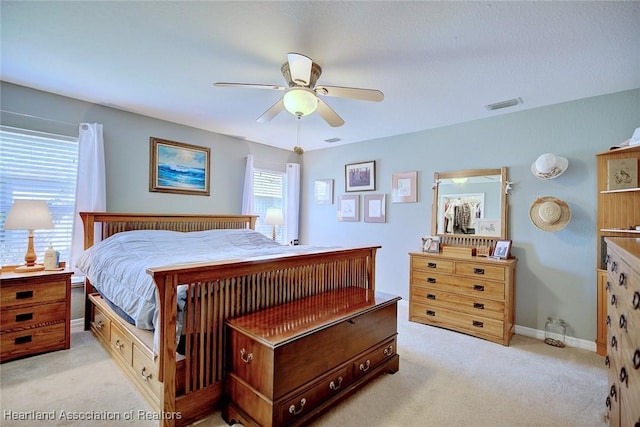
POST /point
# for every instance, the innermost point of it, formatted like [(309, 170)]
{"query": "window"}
[(269, 191), (35, 165)]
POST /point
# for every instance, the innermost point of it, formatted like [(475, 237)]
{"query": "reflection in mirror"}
[(470, 203)]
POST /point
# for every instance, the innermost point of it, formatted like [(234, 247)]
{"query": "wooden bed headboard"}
[(113, 223)]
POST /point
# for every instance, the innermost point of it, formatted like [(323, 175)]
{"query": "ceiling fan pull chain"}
[(298, 148)]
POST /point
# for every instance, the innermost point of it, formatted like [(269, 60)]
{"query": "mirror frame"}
[(468, 173)]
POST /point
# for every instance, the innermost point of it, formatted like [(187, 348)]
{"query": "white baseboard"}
[(569, 341), (77, 323)]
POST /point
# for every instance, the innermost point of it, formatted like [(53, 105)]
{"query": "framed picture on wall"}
[(349, 208), (404, 187), (375, 208), (360, 176), (323, 192), (176, 167)]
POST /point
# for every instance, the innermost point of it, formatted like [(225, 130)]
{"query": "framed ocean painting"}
[(176, 167)]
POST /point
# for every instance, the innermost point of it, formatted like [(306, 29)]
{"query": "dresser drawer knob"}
[(144, 375), (614, 342), (23, 340), (432, 265), (608, 401), (24, 294), (246, 358), (333, 385), (431, 296), (388, 351), (607, 361), (478, 305), (614, 300), (607, 259), (613, 393), (478, 271), (623, 322), (118, 345), (614, 266), (98, 325), (636, 300), (608, 321), (364, 367), (431, 280), (636, 359), (622, 280), (23, 317), (608, 286), (293, 409), (624, 378), (478, 324), (479, 288), (430, 313)]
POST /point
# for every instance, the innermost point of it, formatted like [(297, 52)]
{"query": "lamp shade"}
[(300, 101), (273, 217), (29, 215)]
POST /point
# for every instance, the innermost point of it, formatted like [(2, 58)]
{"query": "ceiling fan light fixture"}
[(300, 101)]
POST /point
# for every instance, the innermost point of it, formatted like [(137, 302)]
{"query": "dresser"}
[(623, 331), (36, 313), (289, 363), (473, 295)]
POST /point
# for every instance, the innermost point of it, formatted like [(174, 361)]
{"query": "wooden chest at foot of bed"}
[(287, 364)]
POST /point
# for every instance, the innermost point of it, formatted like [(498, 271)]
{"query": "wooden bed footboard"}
[(222, 290)]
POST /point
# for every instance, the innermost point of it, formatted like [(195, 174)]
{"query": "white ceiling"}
[(438, 63)]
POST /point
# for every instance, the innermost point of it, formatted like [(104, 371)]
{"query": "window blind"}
[(36, 165), (269, 191)]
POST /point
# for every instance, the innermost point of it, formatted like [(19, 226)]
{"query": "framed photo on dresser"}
[(502, 249)]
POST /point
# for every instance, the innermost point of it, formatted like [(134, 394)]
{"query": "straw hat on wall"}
[(549, 166), (550, 213)]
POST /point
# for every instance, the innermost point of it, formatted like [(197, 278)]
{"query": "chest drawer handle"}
[(636, 300), (608, 321), (432, 265), (614, 342), (430, 313), (118, 345), (608, 287), (334, 386), (98, 325), (144, 375), (246, 358), (23, 340), (24, 294), (622, 280), (613, 393), (478, 305), (607, 362), (636, 359), (623, 322), (478, 271), (294, 410), (608, 402), (607, 259), (614, 300), (614, 266), (388, 351), (364, 367), (431, 280), (478, 324), (624, 378), (431, 296), (23, 317), (479, 288)]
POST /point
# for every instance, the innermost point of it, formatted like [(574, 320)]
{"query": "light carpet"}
[(445, 379)]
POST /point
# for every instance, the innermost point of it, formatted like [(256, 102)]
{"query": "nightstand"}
[(35, 311)]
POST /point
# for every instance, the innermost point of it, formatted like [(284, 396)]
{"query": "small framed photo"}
[(179, 168), (360, 176), (375, 208), (349, 208), (323, 192), (404, 187), (431, 244), (502, 249)]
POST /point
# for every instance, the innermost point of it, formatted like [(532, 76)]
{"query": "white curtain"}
[(247, 191), (293, 202), (91, 192)]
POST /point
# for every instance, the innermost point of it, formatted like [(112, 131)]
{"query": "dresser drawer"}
[(431, 264), (32, 341), (433, 297), (121, 345), (18, 295), (481, 271), (101, 325), (305, 401), (475, 325), (146, 372), (479, 288), (25, 317)]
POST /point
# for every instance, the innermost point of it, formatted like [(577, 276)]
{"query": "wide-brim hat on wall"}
[(550, 213), (549, 166)]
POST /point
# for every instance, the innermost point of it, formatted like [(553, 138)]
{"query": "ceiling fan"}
[(302, 96)]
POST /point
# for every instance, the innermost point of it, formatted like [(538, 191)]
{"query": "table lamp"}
[(274, 217), (29, 215)]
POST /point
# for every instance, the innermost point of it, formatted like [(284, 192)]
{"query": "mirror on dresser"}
[(470, 206)]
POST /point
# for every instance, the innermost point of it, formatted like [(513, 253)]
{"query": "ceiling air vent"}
[(504, 104), (330, 140)]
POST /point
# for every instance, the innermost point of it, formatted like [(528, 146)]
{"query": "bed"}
[(184, 386)]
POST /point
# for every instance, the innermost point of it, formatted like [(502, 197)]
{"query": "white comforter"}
[(117, 265)]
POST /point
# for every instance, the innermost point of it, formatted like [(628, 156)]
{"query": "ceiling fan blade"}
[(300, 68), (328, 114), (271, 112), (350, 92), (249, 86)]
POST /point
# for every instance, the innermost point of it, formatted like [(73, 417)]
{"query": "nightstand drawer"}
[(25, 317), (32, 341), (17, 295)]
